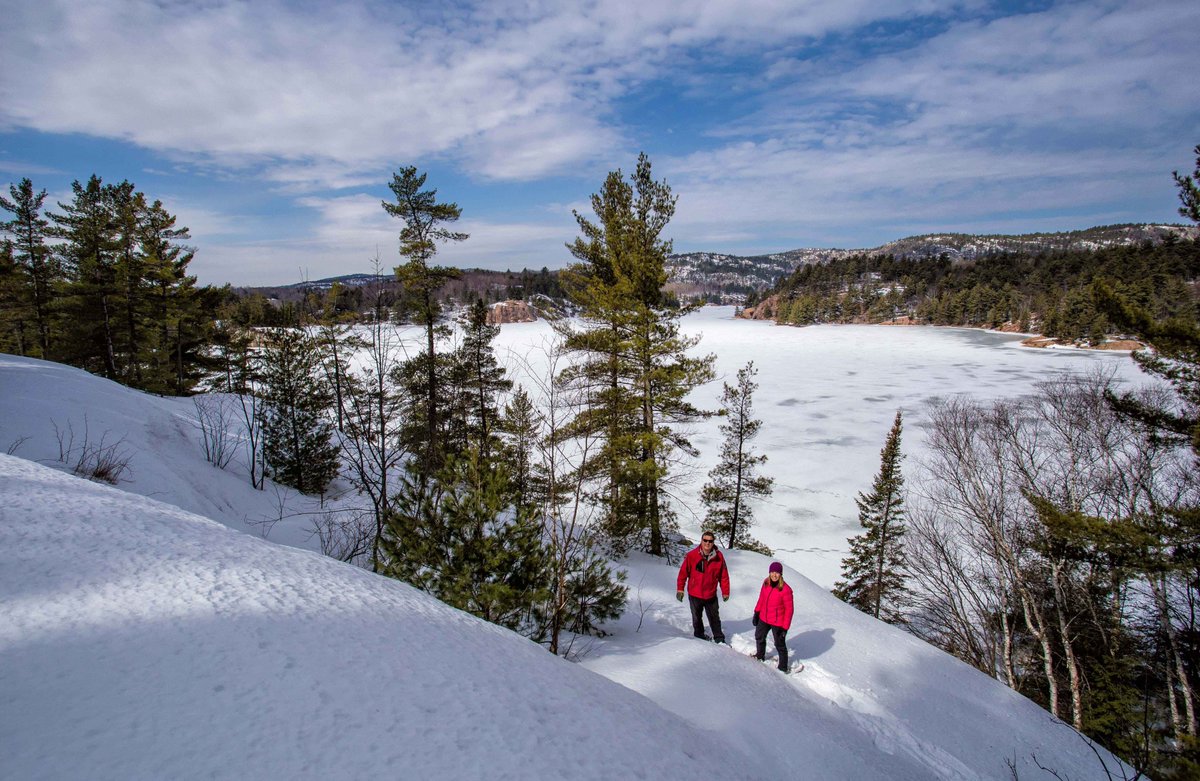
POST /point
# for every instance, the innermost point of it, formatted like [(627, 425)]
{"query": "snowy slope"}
[(140, 641), (871, 702), (159, 435)]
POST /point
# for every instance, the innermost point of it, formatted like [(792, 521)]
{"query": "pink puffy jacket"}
[(775, 604)]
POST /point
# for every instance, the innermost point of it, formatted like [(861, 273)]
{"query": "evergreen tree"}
[(480, 380), (179, 327), (128, 308), (16, 324), (298, 442), (520, 432), (461, 539), (1189, 191), (1175, 353), (127, 207), (633, 361), (35, 269), (89, 229), (591, 592), (873, 575), (733, 480), (425, 225)]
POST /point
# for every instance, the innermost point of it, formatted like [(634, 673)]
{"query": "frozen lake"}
[(827, 396)]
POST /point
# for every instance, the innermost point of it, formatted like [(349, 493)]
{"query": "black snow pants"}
[(710, 608), (779, 635)]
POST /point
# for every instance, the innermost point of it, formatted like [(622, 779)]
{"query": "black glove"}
[(679, 595), (756, 618)]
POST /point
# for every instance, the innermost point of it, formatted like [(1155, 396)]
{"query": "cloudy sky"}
[(272, 128)]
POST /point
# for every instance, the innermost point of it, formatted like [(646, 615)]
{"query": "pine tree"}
[(480, 381), (127, 307), (36, 270), (591, 593), (873, 575), (633, 361), (520, 432), (90, 301), (425, 225), (179, 328), (297, 437), (733, 481), (1189, 191), (461, 539), (16, 327)]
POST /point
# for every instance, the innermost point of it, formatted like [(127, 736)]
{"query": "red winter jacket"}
[(775, 604), (702, 581)]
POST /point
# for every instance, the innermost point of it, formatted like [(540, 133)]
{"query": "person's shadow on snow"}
[(812, 643)]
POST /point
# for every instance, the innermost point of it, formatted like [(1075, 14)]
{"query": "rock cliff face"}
[(510, 312), (765, 310)]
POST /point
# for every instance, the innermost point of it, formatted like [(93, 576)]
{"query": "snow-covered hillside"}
[(43, 403), (138, 640), (141, 641)]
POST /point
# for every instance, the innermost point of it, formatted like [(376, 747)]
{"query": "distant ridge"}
[(713, 273)]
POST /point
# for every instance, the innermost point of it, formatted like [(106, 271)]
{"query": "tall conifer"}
[(633, 362), (426, 224), (480, 381), (35, 268), (873, 575)]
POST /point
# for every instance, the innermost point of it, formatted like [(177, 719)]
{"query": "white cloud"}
[(1070, 109), (1082, 110), (21, 168), (516, 89)]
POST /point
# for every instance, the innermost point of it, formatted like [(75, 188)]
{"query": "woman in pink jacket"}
[(774, 613)]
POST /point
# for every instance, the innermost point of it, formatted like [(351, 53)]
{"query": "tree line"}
[(1046, 292), (102, 284), (356, 301)]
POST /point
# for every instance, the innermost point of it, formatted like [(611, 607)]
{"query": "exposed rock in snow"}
[(510, 312)]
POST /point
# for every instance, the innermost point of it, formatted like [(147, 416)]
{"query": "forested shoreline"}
[(1051, 293)]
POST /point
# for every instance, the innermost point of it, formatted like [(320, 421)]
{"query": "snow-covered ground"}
[(141, 641), (138, 640)]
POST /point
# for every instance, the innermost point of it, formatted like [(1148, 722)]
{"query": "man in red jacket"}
[(702, 570)]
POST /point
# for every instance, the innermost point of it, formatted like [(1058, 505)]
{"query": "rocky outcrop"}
[(1110, 344), (511, 312), (765, 310)]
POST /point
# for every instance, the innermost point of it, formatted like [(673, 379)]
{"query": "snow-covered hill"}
[(139, 640), (45, 406)]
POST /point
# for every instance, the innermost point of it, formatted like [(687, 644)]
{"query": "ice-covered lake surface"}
[(827, 396)]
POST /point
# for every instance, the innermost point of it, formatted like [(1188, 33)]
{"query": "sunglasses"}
[(706, 539)]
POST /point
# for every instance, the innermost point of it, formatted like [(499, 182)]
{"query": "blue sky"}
[(272, 128)]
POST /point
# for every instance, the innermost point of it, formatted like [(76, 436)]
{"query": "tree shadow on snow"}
[(812, 643)]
